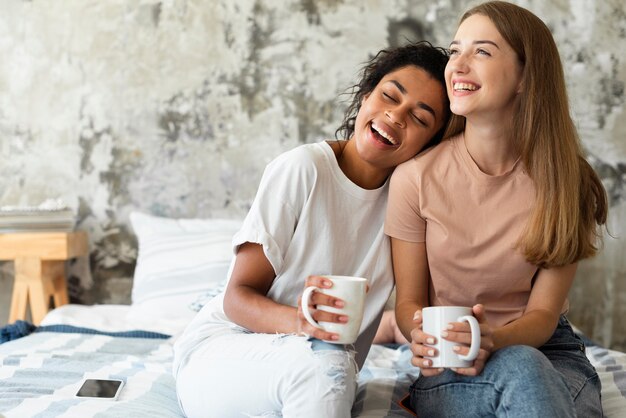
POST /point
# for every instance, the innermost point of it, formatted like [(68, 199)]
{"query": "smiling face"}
[(483, 75), (399, 117)]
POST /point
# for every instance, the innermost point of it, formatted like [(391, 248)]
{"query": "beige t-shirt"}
[(470, 222)]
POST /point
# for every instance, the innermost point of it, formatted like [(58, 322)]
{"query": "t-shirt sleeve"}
[(274, 214), (403, 219)]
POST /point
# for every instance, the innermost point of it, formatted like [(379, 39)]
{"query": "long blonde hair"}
[(571, 202)]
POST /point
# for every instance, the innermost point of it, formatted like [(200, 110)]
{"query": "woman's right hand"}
[(316, 299), (419, 350)]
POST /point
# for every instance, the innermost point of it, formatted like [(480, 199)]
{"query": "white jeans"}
[(267, 375)]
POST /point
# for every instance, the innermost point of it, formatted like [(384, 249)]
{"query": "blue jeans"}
[(556, 380)]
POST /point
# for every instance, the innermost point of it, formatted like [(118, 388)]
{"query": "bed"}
[(41, 372)]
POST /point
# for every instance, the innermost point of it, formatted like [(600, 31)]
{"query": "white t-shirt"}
[(310, 219)]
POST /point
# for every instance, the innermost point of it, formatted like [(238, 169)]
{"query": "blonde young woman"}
[(496, 217), (319, 210)]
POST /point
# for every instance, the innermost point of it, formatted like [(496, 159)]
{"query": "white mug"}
[(352, 291), (436, 319)]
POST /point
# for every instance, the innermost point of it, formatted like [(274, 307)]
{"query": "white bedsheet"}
[(115, 318)]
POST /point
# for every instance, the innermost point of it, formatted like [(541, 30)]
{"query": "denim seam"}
[(483, 382), (595, 376)]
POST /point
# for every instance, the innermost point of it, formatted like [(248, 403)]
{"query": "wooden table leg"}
[(55, 271), (19, 301), (36, 281)]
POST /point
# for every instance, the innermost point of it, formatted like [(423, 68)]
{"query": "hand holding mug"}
[(460, 333), (315, 300), (338, 318), (420, 350), (436, 343)]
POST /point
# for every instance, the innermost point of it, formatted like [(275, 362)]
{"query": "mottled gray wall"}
[(174, 108)]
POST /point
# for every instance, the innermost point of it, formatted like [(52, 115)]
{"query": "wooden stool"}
[(40, 269)]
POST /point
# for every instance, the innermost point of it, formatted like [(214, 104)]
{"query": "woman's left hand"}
[(460, 332)]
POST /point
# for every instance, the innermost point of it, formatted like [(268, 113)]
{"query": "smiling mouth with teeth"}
[(382, 136), (465, 87)]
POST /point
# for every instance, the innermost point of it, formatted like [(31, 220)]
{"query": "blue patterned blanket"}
[(40, 374)]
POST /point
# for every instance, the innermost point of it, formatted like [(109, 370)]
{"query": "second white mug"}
[(352, 291), (435, 319)]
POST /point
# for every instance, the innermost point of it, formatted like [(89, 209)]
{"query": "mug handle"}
[(475, 345), (306, 296)]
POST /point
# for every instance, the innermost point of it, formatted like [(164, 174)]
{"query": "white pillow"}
[(179, 261)]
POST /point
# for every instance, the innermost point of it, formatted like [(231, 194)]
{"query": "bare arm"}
[(542, 313), (246, 303), (245, 300), (412, 275), (410, 269)]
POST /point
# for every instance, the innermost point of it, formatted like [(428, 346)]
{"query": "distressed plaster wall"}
[(174, 107)]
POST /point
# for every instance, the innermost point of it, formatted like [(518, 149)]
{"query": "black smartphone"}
[(100, 388)]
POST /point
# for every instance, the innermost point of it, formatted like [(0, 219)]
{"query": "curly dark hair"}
[(421, 54)]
